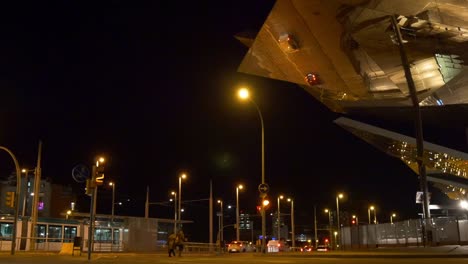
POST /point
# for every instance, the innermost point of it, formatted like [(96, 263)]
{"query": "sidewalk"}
[(451, 251)]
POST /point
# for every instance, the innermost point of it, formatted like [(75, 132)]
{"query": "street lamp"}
[(338, 197), (181, 176), (293, 233), (329, 225), (175, 211), (112, 184), (221, 231), (393, 215), (244, 94), (27, 192), (239, 187), (279, 217), (69, 212), (371, 208)]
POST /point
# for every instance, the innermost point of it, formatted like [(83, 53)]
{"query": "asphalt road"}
[(227, 258)]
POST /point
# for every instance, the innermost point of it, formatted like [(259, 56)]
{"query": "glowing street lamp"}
[(371, 208), (293, 233), (338, 197), (175, 211), (239, 187), (279, 217), (221, 231), (329, 224), (181, 177), (113, 200), (244, 94), (393, 215)]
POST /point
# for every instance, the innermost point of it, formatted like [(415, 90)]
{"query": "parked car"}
[(237, 247), (323, 248)]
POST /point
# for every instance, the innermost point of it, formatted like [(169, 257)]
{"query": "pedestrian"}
[(171, 244), (179, 241)]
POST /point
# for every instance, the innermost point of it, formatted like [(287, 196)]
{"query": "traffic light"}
[(89, 187), (259, 209), (353, 222), (10, 199)]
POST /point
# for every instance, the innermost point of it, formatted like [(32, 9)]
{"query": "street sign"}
[(263, 188), (80, 173), (419, 197)]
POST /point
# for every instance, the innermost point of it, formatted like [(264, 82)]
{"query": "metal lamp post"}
[(293, 233), (393, 215), (221, 231), (244, 95), (239, 187), (338, 197), (371, 208), (182, 176), (329, 225), (26, 193), (279, 217), (112, 184), (175, 210)]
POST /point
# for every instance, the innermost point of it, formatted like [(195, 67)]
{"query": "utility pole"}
[(147, 202), (211, 215), (315, 225)]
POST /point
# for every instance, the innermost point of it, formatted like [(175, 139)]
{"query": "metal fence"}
[(442, 231)]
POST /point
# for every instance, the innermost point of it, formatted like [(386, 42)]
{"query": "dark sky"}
[(151, 86)]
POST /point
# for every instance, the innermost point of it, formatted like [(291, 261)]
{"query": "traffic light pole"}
[(16, 200), (92, 211)]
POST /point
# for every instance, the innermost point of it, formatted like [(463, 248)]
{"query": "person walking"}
[(171, 244), (179, 241)]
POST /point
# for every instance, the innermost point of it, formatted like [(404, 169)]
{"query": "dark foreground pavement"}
[(447, 254)]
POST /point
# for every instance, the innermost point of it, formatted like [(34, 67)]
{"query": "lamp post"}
[(175, 211), (375, 215), (338, 197), (371, 208), (182, 176), (279, 217), (112, 184), (293, 233), (221, 231), (329, 225), (393, 215), (26, 193), (239, 187), (244, 95)]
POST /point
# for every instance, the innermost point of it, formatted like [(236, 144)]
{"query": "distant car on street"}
[(307, 248), (237, 247), (323, 248)]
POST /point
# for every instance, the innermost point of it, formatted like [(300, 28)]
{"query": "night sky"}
[(151, 86)]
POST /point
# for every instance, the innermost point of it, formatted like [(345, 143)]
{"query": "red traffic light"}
[(353, 222)]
